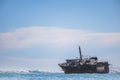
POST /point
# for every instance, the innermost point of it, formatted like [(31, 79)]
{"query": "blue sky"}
[(87, 14), (35, 34)]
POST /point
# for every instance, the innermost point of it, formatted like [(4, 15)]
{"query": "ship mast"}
[(80, 53)]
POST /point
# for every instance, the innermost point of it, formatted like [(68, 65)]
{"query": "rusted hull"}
[(84, 69)]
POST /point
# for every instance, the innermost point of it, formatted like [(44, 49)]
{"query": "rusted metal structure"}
[(84, 65)]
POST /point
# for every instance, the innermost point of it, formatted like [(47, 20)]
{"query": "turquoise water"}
[(37, 75)]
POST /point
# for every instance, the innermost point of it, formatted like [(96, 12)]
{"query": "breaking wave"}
[(115, 70), (29, 71), (56, 75), (112, 70)]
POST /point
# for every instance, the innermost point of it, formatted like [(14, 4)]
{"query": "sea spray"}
[(42, 75)]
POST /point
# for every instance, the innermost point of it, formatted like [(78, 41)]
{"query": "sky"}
[(40, 34)]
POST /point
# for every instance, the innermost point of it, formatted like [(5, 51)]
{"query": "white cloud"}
[(26, 37)]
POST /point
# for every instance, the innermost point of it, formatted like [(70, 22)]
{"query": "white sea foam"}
[(112, 70), (29, 71), (40, 75)]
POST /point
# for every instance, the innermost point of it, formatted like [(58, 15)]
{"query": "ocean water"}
[(38, 75)]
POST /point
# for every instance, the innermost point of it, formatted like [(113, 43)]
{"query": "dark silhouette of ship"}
[(84, 65)]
